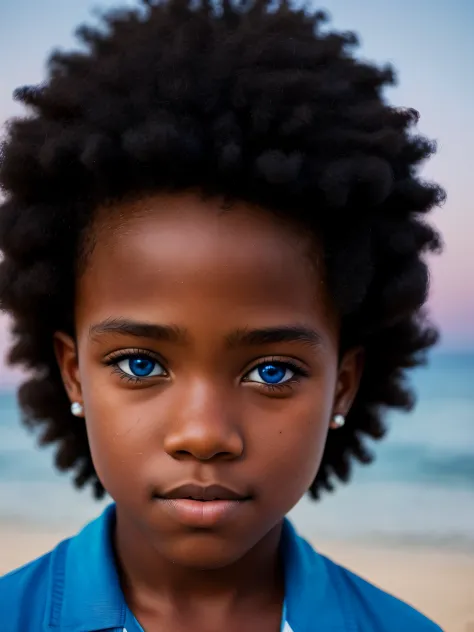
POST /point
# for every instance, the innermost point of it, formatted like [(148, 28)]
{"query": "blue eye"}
[(271, 373), (140, 366)]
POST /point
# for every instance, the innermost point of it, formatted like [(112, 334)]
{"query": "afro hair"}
[(250, 100)]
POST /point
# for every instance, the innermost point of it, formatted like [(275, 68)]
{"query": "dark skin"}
[(227, 293)]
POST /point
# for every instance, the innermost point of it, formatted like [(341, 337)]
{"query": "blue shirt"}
[(75, 588)]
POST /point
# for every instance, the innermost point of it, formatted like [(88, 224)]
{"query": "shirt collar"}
[(85, 594), (310, 593)]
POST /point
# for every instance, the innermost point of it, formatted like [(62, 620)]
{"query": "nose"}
[(205, 427)]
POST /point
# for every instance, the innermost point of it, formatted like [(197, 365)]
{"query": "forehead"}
[(208, 221), (168, 253)]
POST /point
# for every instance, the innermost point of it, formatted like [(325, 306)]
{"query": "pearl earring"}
[(77, 409), (337, 421)]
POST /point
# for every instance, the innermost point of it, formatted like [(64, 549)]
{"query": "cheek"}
[(289, 445), (117, 430)]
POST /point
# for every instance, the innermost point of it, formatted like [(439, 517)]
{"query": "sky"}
[(431, 46)]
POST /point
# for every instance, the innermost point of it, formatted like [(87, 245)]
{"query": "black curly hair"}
[(248, 100)]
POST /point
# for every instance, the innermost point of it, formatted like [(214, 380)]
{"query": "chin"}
[(205, 551)]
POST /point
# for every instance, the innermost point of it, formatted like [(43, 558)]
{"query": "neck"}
[(147, 575)]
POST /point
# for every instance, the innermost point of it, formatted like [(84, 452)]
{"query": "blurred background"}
[(406, 522)]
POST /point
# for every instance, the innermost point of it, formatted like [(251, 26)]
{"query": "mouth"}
[(201, 493), (202, 507)]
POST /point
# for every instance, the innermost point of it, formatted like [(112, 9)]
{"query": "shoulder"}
[(318, 591), (372, 608), (24, 593)]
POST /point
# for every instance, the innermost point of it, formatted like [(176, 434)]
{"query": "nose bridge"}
[(206, 422)]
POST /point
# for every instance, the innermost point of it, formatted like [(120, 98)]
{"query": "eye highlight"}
[(275, 373), (140, 366), (136, 365)]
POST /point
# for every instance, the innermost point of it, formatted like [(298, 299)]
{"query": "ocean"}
[(419, 490)]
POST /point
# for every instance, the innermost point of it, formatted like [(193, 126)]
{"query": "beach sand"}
[(438, 583)]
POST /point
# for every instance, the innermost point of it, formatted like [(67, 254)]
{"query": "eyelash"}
[(114, 360), (117, 357), (297, 369)]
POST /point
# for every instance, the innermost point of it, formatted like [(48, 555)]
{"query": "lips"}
[(203, 494), (201, 507)]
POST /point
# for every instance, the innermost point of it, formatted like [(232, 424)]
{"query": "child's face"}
[(172, 292)]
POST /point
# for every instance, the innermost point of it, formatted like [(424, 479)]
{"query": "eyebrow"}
[(272, 335), (178, 335), (126, 327)]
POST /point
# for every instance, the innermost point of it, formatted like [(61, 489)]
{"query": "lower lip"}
[(197, 513)]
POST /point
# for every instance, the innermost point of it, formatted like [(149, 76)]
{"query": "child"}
[(213, 235)]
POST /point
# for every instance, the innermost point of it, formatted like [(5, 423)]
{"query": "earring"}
[(337, 421), (77, 409)]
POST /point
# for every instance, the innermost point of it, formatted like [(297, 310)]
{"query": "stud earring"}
[(77, 409), (337, 421)]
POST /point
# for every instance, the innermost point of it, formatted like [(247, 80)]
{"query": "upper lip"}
[(200, 492)]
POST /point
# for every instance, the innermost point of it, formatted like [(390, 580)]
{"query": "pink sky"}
[(432, 50)]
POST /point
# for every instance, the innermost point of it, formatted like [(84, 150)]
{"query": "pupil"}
[(272, 373), (141, 366)]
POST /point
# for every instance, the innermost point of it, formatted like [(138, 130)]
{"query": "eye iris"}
[(272, 373), (141, 367)]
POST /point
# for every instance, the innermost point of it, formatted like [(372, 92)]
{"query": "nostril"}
[(206, 445)]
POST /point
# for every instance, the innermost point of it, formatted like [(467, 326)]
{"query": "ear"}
[(348, 380), (65, 350)]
